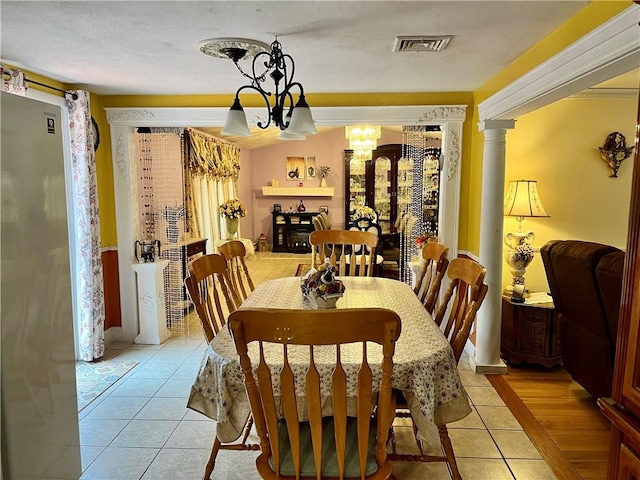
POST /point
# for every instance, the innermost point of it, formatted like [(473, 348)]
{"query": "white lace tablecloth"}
[(424, 366)]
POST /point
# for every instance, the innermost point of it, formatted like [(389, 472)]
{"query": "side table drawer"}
[(534, 331), (529, 333)]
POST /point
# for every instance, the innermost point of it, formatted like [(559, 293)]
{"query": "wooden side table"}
[(530, 333)]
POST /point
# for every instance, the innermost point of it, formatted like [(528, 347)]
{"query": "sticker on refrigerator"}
[(51, 125)]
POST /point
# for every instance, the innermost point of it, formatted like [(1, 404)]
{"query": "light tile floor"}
[(140, 427)]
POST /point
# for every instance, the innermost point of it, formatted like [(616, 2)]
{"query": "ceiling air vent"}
[(422, 44)]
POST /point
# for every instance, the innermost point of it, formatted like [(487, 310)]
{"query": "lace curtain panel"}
[(86, 223)]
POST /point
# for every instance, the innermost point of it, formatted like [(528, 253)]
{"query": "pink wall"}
[(269, 163), (245, 194)]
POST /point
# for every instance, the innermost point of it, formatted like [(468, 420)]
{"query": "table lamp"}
[(522, 200)]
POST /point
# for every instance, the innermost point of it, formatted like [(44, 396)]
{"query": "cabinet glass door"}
[(430, 194), (382, 192), (357, 183)]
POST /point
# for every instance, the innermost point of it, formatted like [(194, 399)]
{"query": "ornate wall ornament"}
[(614, 151), (444, 113), (129, 115), (453, 155), (121, 156)]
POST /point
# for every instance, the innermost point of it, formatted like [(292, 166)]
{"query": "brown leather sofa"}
[(585, 279)]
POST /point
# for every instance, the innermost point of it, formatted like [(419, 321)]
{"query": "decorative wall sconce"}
[(614, 151)]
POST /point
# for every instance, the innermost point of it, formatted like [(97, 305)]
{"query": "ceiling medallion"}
[(226, 47)]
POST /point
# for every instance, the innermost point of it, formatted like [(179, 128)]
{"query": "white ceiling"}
[(147, 47)]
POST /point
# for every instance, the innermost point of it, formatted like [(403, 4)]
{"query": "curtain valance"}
[(211, 157)]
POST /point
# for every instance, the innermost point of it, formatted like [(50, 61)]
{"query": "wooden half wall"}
[(111, 289)]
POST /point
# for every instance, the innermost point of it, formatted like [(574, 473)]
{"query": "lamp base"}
[(518, 256)]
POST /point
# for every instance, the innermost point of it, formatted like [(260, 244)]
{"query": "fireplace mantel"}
[(297, 191)]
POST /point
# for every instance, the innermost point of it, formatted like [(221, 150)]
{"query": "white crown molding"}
[(599, 93), (609, 50), (216, 116)]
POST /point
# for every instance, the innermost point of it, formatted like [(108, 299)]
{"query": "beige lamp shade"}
[(522, 200)]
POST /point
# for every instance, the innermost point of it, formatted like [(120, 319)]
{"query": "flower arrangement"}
[(324, 171), (320, 288), (522, 253), (422, 239), (232, 209), (365, 212)]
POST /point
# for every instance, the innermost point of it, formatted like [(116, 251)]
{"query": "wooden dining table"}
[(424, 366)]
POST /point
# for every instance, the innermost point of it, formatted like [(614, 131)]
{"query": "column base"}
[(499, 368), (154, 338)]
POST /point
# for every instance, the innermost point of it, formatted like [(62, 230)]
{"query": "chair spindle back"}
[(208, 279), (462, 298), (317, 330), (340, 246), (234, 253)]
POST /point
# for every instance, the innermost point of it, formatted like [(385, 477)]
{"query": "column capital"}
[(496, 125)]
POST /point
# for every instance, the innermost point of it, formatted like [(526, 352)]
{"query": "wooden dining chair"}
[(461, 301), (335, 446), (208, 282), (432, 270), (341, 247), (234, 253)]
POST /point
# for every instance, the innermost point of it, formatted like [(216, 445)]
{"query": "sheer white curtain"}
[(213, 168), (90, 282)]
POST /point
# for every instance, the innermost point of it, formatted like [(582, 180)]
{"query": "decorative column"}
[(151, 308), (489, 320)]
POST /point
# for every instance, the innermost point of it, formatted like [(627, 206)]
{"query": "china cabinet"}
[(402, 184), (394, 182)]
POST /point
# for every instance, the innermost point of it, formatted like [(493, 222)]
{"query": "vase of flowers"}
[(232, 211), (324, 173), (365, 212)]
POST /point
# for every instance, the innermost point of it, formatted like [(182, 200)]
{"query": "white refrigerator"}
[(39, 421)]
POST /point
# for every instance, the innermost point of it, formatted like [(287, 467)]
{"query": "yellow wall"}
[(590, 17), (558, 146)]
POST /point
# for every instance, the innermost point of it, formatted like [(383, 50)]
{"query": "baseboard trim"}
[(114, 334), (549, 451)]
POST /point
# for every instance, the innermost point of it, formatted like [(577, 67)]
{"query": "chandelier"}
[(295, 121), (362, 140)]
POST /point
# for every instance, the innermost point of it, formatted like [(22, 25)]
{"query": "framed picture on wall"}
[(311, 168), (295, 168)]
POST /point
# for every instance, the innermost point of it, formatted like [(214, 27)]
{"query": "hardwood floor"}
[(561, 419)]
